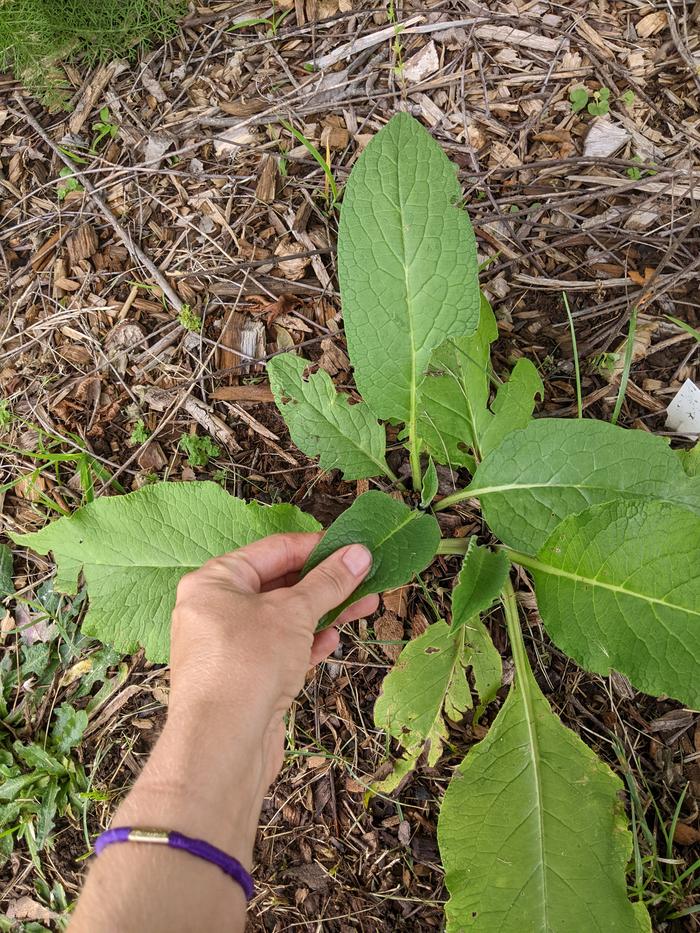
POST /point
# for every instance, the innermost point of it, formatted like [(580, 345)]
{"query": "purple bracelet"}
[(197, 847)]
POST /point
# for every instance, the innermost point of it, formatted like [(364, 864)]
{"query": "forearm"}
[(204, 779)]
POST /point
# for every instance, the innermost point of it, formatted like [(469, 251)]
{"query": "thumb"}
[(335, 579)]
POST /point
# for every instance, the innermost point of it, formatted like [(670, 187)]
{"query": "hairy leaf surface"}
[(532, 832), (481, 580), (429, 682), (454, 414), (133, 550), (323, 423), (402, 542), (556, 467), (406, 263), (618, 587)]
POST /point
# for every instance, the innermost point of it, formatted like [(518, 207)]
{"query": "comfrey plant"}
[(532, 830)]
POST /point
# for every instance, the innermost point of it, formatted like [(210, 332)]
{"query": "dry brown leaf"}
[(389, 629), (292, 269), (333, 359), (396, 601), (151, 459), (684, 835)]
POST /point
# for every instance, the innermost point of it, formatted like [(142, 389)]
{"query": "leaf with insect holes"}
[(454, 415), (556, 467), (133, 549), (406, 263), (323, 423), (532, 831), (618, 587), (429, 682), (402, 543), (481, 579)]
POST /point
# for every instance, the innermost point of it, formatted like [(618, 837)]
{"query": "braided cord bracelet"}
[(174, 840)]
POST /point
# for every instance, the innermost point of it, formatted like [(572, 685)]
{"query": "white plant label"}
[(683, 414)]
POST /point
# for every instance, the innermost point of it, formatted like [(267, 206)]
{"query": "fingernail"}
[(357, 559)]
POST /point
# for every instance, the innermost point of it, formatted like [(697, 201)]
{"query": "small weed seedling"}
[(139, 434), (199, 448), (189, 320), (104, 128), (599, 106), (606, 522), (67, 184)]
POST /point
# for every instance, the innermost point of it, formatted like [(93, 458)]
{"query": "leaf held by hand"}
[(402, 543)]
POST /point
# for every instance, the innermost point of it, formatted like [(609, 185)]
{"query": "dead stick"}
[(134, 249)]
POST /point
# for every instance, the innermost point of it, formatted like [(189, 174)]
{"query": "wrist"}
[(204, 783)]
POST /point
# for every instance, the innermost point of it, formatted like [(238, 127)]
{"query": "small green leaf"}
[(556, 467), (453, 399), (37, 758), (618, 587), (454, 415), (323, 423), (407, 265), (481, 580), (402, 543), (133, 550), (430, 485), (69, 725), (627, 98), (579, 97), (513, 405), (532, 831), (7, 587)]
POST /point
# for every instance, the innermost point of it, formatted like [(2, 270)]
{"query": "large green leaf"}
[(618, 587), (402, 542), (406, 263), (133, 550), (453, 410), (323, 423), (429, 682), (691, 460), (556, 467), (532, 831)]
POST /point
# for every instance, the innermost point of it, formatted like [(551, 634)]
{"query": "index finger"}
[(276, 556)]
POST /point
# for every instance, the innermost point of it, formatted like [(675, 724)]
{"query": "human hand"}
[(243, 637)]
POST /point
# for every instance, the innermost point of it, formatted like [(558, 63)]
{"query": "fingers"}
[(324, 645), (334, 580), (272, 558), (361, 609)]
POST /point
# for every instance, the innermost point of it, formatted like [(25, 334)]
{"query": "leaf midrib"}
[(533, 563)]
